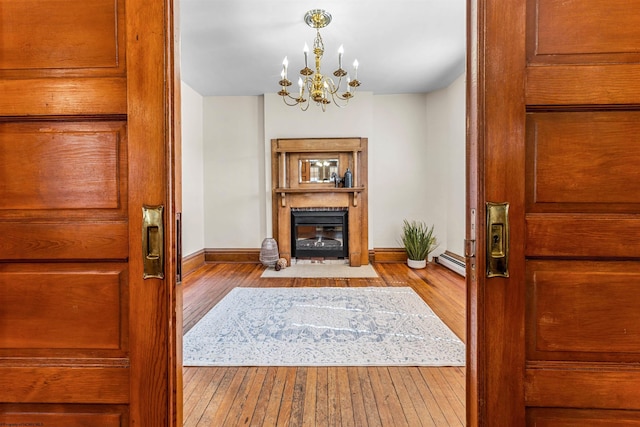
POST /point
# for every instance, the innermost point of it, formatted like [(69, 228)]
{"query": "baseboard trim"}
[(389, 255), (232, 255), (192, 262)]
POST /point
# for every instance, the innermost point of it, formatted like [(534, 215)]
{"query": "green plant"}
[(418, 239)]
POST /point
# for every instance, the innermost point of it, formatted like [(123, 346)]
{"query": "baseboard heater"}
[(452, 262)]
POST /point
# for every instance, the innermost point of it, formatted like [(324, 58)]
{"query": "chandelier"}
[(312, 85)]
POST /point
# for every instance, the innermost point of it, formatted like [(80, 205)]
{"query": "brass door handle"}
[(153, 242), (497, 239)]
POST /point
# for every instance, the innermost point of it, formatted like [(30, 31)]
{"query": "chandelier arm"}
[(348, 96), (296, 100), (332, 87), (337, 98)]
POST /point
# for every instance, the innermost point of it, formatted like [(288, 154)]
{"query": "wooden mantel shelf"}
[(320, 190), (284, 191)]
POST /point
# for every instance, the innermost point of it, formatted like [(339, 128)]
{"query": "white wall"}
[(400, 181), (419, 160), (416, 162), (192, 171), (234, 199), (446, 123)]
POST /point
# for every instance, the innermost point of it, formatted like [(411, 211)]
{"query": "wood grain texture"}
[(55, 240), (50, 415), (70, 165), (596, 386), (552, 417), (192, 262), (497, 304), (90, 32), (231, 255), (589, 85), (567, 302), (58, 310), (69, 384), (84, 143), (104, 96), (325, 396), (582, 96), (583, 161), (583, 31), (150, 62), (583, 235)]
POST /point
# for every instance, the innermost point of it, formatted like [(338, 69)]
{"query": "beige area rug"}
[(322, 270), (326, 326)]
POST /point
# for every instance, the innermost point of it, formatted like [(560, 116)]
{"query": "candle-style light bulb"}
[(300, 85), (355, 68), (340, 52), (305, 50), (285, 65)]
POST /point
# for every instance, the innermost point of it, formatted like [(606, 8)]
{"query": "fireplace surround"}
[(293, 192)]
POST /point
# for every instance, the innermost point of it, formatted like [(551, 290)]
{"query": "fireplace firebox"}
[(319, 233)]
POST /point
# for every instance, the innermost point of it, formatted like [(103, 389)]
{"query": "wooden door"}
[(86, 139), (555, 132)]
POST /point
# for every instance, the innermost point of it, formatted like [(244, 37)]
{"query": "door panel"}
[(63, 166), (581, 310), (91, 33), (582, 196), (49, 415), (584, 159), (590, 84), (559, 98), (581, 418), (582, 235), (84, 144), (72, 384), (46, 97), (56, 309), (582, 386), (569, 31)]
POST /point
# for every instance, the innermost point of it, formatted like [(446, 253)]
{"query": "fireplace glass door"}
[(319, 234)]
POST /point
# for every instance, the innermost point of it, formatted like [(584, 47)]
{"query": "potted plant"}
[(419, 241)]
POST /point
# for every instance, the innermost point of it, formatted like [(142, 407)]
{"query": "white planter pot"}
[(414, 263)]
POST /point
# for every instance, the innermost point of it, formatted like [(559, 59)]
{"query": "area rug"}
[(360, 326), (322, 271)]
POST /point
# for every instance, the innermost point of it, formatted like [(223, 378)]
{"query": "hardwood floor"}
[(325, 396)]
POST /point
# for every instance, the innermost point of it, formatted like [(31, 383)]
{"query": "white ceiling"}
[(236, 47)]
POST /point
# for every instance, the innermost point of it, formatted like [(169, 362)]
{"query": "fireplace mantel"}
[(290, 190), (284, 191)]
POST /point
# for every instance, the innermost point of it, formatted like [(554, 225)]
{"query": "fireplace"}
[(314, 218), (319, 232)]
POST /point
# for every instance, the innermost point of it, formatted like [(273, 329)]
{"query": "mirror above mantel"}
[(316, 169)]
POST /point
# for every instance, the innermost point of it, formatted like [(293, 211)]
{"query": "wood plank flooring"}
[(325, 396)]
